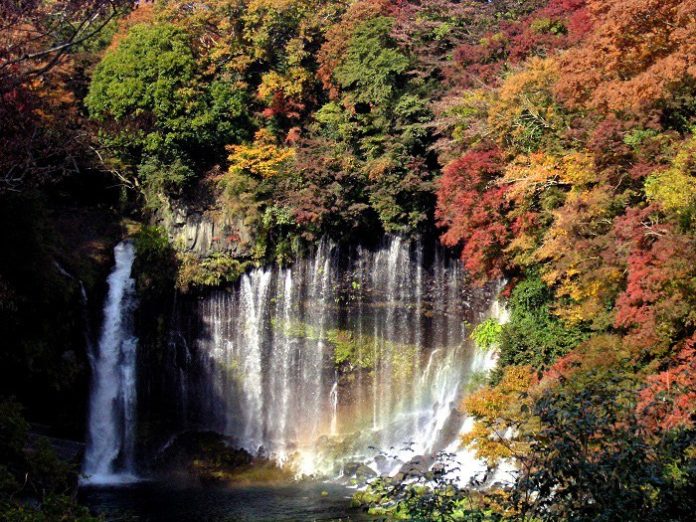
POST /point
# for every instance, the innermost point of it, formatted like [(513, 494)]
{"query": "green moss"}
[(297, 329), (151, 242), (355, 352), (392, 499), (159, 267), (260, 473)]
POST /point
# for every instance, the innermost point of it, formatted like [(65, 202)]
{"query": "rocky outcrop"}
[(204, 232), (210, 458)]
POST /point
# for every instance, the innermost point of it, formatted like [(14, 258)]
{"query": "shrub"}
[(487, 334), (534, 336)]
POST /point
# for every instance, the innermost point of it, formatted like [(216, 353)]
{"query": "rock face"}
[(204, 232)]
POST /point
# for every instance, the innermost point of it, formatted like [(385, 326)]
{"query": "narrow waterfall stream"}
[(351, 355), (109, 457)]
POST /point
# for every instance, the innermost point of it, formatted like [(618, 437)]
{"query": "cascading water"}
[(467, 465), (348, 352), (112, 408)]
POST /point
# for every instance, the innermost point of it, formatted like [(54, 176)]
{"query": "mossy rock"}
[(209, 458)]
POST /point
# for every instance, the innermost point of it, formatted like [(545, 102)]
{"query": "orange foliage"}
[(524, 106), (669, 399), (502, 413), (639, 52), (143, 13)]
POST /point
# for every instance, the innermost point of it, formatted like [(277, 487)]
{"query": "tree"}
[(668, 401), (576, 255), (339, 36), (674, 188), (471, 205), (40, 43), (637, 58), (36, 36), (153, 95), (372, 66), (263, 158), (515, 31), (524, 117), (590, 459), (325, 191), (656, 306), (534, 336), (502, 413)]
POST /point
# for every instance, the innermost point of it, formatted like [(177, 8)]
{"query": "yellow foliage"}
[(674, 189), (531, 173), (502, 414), (278, 5), (528, 178), (291, 83), (524, 107), (522, 248), (261, 159), (379, 167), (572, 254), (578, 169)]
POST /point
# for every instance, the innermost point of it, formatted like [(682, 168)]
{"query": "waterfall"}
[(333, 397), (109, 456), (350, 354), (464, 459)]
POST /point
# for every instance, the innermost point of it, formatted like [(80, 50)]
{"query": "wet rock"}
[(210, 458), (190, 446), (351, 468), (381, 462), (364, 472)]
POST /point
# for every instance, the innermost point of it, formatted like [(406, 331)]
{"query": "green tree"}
[(591, 459), (533, 335), (160, 108), (372, 67)]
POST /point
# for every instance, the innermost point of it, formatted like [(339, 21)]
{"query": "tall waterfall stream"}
[(350, 355), (109, 457)]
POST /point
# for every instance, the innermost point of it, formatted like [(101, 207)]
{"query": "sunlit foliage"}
[(569, 170)]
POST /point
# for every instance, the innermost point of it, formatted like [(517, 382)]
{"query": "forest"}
[(549, 146)]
